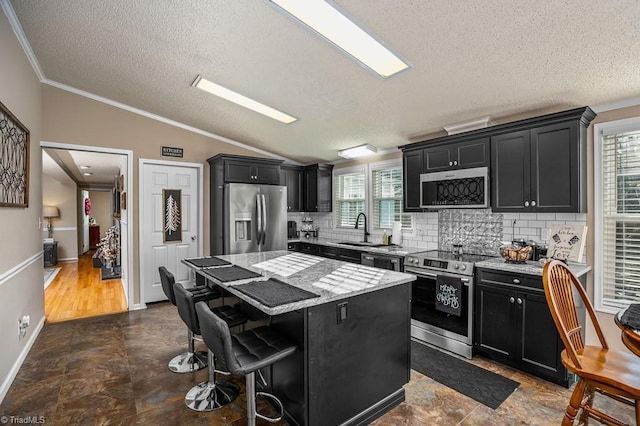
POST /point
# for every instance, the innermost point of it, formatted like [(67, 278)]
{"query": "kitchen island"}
[(353, 336)]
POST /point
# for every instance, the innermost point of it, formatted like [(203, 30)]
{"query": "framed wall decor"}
[(172, 215), (14, 161)]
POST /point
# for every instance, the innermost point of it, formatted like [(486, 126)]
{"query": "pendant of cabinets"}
[(540, 170), (513, 325)]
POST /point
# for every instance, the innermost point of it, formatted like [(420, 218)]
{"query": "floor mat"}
[(484, 386), (49, 275)]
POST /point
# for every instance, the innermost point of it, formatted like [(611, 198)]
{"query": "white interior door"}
[(154, 251)]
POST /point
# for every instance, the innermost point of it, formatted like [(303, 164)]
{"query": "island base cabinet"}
[(355, 355)]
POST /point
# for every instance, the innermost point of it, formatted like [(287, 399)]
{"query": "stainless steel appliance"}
[(383, 261), (255, 218), (465, 188), (428, 324)]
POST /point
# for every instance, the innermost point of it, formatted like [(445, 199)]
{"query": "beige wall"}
[(611, 331), (21, 277), (72, 119), (62, 194), (101, 209)]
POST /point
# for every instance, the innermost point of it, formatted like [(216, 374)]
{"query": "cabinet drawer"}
[(309, 248), (293, 246), (326, 251), (510, 278), (347, 255)]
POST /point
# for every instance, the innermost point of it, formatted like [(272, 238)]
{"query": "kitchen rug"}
[(484, 386), (50, 275)]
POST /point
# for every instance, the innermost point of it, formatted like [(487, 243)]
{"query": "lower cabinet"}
[(339, 253), (513, 325)]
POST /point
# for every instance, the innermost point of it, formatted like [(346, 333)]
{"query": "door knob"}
[(193, 238)]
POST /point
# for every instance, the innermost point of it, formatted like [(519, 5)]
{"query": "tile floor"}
[(112, 370)]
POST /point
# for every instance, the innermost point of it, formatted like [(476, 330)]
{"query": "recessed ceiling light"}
[(327, 20), (87, 173), (85, 167), (230, 95), (358, 151)]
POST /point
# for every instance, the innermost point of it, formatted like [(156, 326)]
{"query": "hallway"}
[(79, 292)]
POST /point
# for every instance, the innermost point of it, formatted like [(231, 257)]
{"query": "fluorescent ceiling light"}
[(230, 95), (358, 151), (326, 20), (87, 174), (85, 167)]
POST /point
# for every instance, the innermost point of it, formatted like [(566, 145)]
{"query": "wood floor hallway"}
[(79, 292)]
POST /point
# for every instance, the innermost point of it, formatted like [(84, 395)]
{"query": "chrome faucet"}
[(366, 233)]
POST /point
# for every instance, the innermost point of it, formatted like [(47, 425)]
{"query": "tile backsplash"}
[(483, 231)]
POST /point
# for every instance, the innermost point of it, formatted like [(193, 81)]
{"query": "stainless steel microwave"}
[(464, 188)]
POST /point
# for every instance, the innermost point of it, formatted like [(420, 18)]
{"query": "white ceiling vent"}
[(468, 126)]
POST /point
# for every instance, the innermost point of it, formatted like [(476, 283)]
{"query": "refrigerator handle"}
[(259, 219), (264, 219)]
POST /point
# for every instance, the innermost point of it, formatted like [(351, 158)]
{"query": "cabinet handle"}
[(451, 163), (519, 301), (455, 163), (516, 281), (526, 204), (533, 203), (512, 299)]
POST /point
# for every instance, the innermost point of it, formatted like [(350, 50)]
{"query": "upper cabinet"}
[(293, 178), (462, 155), (241, 169), (412, 164), (318, 188), (540, 169)]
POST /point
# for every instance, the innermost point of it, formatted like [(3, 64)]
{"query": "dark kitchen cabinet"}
[(513, 325), (318, 188), (293, 178), (411, 171), (309, 248), (541, 169), (241, 169), (461, 155), (348, 255), (293, 246)]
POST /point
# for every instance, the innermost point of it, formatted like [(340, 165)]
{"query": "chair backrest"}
[(167, 279), (217, 337), (186, 307), (559, 284)]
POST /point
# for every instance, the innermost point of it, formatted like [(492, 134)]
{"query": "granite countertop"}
[(330, 279), (391, 249), (529, 268)]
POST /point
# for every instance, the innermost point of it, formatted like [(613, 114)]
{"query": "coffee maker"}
[(292, 229)]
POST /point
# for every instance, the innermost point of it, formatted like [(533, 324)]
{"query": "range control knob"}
[(463, 267), (455, 266)]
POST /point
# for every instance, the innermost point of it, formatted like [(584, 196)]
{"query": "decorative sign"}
[(567, 242), (172, 215), (14, 161), (448, 295), (169, 151)]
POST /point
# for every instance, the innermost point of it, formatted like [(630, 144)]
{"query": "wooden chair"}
[(609, 372)]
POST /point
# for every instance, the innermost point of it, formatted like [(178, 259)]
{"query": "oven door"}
[(423, 307)]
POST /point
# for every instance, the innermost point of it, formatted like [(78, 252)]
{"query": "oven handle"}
[(428, 274)]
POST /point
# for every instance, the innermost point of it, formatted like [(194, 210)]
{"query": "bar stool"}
[(245, 353), (210, 395), (190, 361)]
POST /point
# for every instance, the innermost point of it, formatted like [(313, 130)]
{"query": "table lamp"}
[(49, 212)]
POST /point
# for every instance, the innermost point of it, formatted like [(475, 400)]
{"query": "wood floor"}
[(78, 292)]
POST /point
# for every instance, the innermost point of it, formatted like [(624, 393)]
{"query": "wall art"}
[(14, 161), (172, 215)]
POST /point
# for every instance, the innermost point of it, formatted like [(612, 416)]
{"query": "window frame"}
[(601, 130)]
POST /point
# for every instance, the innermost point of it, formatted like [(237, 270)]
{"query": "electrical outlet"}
[(544, 234), (420, 230), (23, 324)]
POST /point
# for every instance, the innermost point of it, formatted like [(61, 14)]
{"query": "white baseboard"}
[(138, 306), (16, 365)]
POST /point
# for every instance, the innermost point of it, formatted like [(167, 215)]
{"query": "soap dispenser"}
[(385, 238)]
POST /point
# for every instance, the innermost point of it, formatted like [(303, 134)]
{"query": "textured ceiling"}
[(471, 58)]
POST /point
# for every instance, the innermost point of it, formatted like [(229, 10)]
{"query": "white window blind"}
[(387, 198), (620, 220), (350, 198)]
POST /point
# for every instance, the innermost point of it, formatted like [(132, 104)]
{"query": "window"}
[(376, 190), (617, 215), (350, 197), (387, 198)]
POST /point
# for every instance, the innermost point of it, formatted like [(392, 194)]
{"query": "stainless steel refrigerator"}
[(255, 218)]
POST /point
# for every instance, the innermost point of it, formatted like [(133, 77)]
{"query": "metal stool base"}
[(207, 396), (188, 362)]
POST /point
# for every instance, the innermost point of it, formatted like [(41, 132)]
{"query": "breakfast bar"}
[(350, 323)]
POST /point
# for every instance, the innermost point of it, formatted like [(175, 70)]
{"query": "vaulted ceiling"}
[(471, 58)]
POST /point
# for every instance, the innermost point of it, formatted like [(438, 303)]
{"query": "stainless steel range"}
[(429, 323)]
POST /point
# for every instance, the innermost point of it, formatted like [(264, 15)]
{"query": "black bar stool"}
[(245, 353), (190, 361), (210, 395)]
